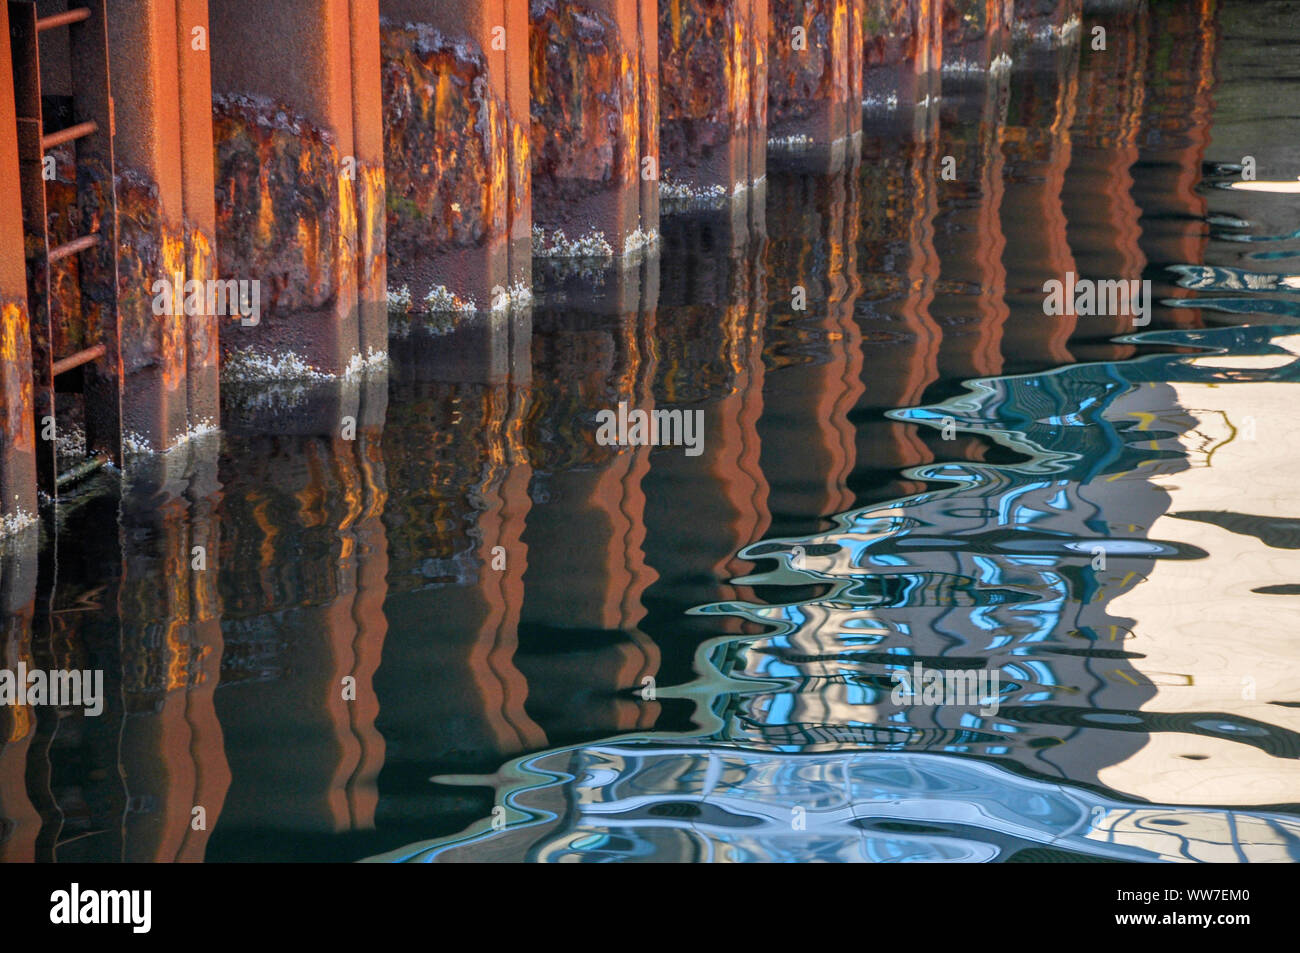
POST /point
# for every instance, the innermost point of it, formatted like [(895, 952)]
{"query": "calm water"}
[(565, 651)]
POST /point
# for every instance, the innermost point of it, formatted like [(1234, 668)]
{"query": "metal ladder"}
[(96, 250)]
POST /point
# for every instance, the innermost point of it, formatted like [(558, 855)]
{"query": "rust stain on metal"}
[(713, 88), (585, 122), (149, 249), (815, 70), (16, 395), (285, 212), (444, 144)]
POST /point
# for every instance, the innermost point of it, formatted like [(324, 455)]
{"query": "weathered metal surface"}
[(814, 93), (70, 231), (17, 425), (976, 33), (1046, 21), (903, 52), (283, 217), (202, 330), (594, 130), (713, 98), (455, 144), (290, 165)]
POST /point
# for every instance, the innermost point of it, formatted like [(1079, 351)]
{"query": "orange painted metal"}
[(17, 433)]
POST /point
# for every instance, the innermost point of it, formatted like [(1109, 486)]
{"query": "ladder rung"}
[(74, 361), (63, 19), (76, 246), (69, 134)]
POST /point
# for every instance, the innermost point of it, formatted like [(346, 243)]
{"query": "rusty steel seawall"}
[(301, 144)]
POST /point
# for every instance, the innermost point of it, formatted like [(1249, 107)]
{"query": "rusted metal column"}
[(902, 52), (815, 55), (298, 185), (456, 128), (1046, 21), (203, 329), (70, 223), (976, 35), (594, 67), (713, 99), (17, 424), (165, 219)]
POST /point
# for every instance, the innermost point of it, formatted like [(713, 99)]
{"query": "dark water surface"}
[(567, 651)]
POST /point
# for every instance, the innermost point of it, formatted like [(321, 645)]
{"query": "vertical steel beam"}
[(456, 152), (713, 98), (288, 169), (203, 329), (150, 138), (595, 126), (18, 447), (815, 54), (27, 97)]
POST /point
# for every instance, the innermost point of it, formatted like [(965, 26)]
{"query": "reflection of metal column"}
[(1097, 196), (18, 447), (21, 820), (900, 267), (1036, 145), (807, 441), (306, 577), (456, 542), (93, 249), (1174, 133), (172, 753), (589, 515), (968, 231)]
